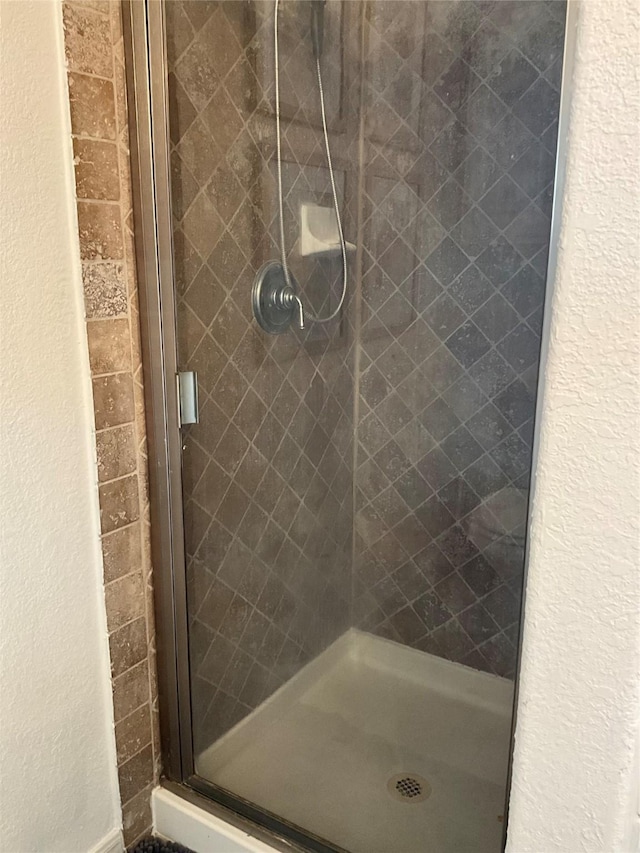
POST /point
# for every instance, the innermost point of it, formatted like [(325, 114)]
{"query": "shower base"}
[(377, 748)]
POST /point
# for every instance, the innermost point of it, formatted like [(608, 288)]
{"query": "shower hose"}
[(283, 252)]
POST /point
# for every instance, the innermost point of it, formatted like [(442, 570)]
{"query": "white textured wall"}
[(58, 781), (576, 738)]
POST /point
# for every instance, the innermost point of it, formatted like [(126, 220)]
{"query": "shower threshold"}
[(377, 748)]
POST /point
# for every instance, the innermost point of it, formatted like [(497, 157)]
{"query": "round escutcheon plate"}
[(268, 310)]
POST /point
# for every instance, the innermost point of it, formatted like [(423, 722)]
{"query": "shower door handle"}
[(188, 409)]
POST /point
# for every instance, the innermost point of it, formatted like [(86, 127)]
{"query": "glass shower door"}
[(355, 492), (267, 471)]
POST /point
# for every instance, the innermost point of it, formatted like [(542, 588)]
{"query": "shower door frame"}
[(146, 72), (146, 80)]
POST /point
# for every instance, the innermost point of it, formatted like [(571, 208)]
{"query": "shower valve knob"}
[(275, 302), (288, 298)]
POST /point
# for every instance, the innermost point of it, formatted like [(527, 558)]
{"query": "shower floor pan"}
[(377, 748)]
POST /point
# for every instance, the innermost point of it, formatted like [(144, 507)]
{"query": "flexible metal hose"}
[(283, 252)]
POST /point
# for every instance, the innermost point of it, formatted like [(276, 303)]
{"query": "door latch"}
[(188, 411)]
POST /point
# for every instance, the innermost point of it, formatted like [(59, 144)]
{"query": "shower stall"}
[(343, 230)]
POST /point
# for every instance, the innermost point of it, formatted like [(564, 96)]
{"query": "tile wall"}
[(268, 470), (461, 104), (94, 52)]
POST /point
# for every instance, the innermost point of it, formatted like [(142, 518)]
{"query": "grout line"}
[(71, 70), (114, 428), (126, 672), (118, 529), (124, 625), (122, 577), (114, 373)]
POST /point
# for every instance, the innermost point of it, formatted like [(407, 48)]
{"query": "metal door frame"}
[(146, 73)]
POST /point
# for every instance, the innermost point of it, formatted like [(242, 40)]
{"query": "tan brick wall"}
[(97, 97)]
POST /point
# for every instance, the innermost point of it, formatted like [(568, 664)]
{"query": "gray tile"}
[(431, 611), (439, 419), (540, 262), (454, 593), (545, 200), (395, 363), (413, 346), (516, 18), (525, 290), (481, 113), (478, 623), (496, 318), (441, 369), (456, 546), (388, 596), (456, 23), (485, 477), (506, 557), (503, 606), (526, 432), (410, 580), (512, 77), (433, 564), (508, 141), (458, 497), (534, 170), (492, 373), (428, 173), (486, 48), (535, 321), (436, 468), (550, 138), (513, 456), (521, 348), (500, 655), (474, 233), (444, 316), (471, 289), (480, 575), (424, 288), (477, 173), (393, 413), (408, 625), (449, 641), (412, 488), (464, 397), (411, 535), (235, 619), (538, 108), (529, 232), (434, 516), (503, 202), (437, 56), (500, 261), (468, 344), (452, 145), (456, 84), (392, 461), (372, 434), (461, 448), (488, 426), (516, 403), (449, 204)]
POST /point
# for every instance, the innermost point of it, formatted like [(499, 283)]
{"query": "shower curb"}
[(178, 820)]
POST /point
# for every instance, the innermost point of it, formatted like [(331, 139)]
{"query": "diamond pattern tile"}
[(480, 177), (459, 106)]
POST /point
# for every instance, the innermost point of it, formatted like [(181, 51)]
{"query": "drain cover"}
[(409, 788)]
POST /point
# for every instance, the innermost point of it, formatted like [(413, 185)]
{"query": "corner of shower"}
[(343, 226)]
